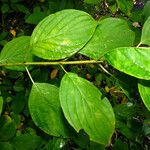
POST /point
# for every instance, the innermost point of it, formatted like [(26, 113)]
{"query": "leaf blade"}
[(45, 109), (16, 51), (145, 37), (144, 90), (1, 104), (109, 34), (82, 106), (131, 60), (62, 34)]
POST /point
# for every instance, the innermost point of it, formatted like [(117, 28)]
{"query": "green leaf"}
[(62, 34), (4, 8), (35, 18), (125, 6), (21, 8), (131, 60), (144, 89), (1, 104), (120, 145), (45, 109), (6, 146), (26, 141), (16, 51), (110, 33), (7, 128), (146, 10), (84, 109), (145, 38), (56, 144), (92, 1)]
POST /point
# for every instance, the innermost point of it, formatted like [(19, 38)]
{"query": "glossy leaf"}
[(145, 38), (144, 89), (16, 51), (62, 34), (110, 33), (45, 109), (84, 109), (1, 104), (131, 60)]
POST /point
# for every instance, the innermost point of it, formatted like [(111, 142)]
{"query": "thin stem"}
[(139, 44), (52, 63), (105, 70), (63, 68), (29, 75)]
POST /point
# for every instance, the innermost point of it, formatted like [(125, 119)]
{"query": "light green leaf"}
[(131, 60), (16, 51), (145, 38), (45, 109), (62, 34), (1, 104), (110, 33), (144, 89), (82, 106)]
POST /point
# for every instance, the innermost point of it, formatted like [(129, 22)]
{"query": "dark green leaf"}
[(92, 1), (7, 128), (119, 145), (1, 104), (62, 34), (84, 109), (35, 18), (6, 146), (5, 8), (26, 141), (56, 144)]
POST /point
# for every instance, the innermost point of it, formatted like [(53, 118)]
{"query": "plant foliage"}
[(98, 95)]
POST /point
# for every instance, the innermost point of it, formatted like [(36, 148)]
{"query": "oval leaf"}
[(145, 38), (82, 105), (132, 61), (16, 51), (45, 109), (110, 33), (144, 89), (62, 34)]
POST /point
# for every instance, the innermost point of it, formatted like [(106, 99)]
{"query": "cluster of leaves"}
[(58, 108)]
